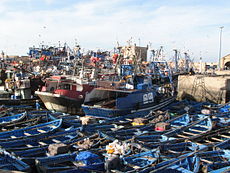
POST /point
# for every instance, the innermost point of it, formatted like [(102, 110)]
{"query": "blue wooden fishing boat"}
[(40, 147), (123, 129), (12, 119), (36, 130), (223, 145), (215, 161), (22, 124), (213, 137), (71, 162), (180, 121), (31, 119), (172, 150), (221, 115), (196, 128), (148, 131), (131, 102), (223, 107), (188, 163), (176, 134), (40, 141), (4, 111), (29, 155), (134, 132), (120, 126), (223, 120), (218, 167), (152, 139), (141, 160), (184, 106), (134, 93), (11, 163)]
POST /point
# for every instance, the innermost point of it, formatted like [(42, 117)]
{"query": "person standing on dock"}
[(37, 105)]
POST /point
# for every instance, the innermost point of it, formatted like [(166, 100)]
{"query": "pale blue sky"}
[(188, 25)]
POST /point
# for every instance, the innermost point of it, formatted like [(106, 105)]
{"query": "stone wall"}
[(204, 88)]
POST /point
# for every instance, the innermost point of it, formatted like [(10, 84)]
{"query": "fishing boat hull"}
[(60, 103), (92, 163), (10, 163), (11, 119), (109, 113), (31, 131)]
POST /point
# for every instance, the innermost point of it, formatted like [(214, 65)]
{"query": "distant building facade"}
[(225, 62), (204, 66), (129, 52)]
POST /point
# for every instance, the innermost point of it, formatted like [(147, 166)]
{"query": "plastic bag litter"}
[(117, 147)]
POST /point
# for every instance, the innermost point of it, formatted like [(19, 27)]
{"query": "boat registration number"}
[(148, 98)]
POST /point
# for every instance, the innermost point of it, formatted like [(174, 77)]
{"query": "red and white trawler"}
[(65, 93)]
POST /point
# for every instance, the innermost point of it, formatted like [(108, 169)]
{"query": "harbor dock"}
[(212, 88)]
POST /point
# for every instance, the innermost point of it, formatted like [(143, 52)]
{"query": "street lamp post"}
[(221, 28)]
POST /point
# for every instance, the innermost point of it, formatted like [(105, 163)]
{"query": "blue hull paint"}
[(111, 113), (31, 131)]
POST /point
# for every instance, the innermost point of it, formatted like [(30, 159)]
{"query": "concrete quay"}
[(212, 88)]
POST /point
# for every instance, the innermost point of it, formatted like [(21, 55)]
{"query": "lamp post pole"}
[(221, 28)]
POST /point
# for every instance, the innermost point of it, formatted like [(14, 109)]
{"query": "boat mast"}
[(153, 55), (176, 59), (186, 58)]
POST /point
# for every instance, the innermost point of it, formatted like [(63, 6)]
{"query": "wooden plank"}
[(175, 152), (27, 134), (8, 171), (41, 131), (42, 143), (195, 130), (188, 133), (225, 136), (208, 141), (136, 167), (56, 141), (199, 143), (206, 161), (183, 136), (203, 126), (220, 140)]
